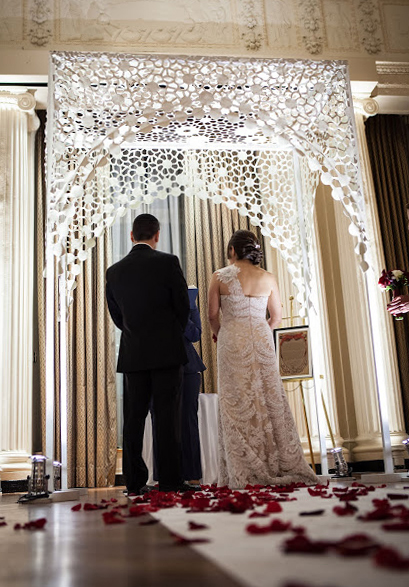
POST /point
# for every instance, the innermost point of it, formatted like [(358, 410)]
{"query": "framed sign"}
[(293, 351)]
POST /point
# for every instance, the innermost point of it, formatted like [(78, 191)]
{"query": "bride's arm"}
[(214, 304), (274, 305)]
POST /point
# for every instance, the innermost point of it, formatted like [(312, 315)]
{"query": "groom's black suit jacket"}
[(148, 300)]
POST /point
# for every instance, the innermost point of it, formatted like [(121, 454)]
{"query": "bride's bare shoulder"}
[(266, 274)]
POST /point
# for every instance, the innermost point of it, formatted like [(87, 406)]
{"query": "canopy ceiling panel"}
[(125, 129)]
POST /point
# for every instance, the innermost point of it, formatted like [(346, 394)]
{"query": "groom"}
[(148, 301)]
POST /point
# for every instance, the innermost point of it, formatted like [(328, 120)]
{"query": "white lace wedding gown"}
[(258, 440)]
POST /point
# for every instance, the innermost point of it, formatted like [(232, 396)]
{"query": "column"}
[(18, 124), (369, 436)]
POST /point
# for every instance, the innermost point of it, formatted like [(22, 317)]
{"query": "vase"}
[(396, 293)]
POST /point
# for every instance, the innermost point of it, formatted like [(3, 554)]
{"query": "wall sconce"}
[(341, 466), (37, 481)]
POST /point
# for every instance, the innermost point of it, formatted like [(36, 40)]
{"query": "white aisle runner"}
[(208, 430), (259, 560)]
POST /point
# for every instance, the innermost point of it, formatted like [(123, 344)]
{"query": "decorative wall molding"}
[(157, 23), (340, 29), (252, 16), (393, 78), (394, 16), (312, 20), (367, 106), (369, 21), (40, 31)]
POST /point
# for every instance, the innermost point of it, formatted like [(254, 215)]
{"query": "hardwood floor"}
[(76, 549)]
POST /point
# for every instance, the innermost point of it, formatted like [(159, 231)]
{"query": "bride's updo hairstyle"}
[(246, 246)]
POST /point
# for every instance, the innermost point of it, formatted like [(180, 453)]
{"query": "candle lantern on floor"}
[(57, 475), (406, 445), (37, 481), (341, 466)]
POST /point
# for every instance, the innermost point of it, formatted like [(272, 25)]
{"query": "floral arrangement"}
[(393, 280)]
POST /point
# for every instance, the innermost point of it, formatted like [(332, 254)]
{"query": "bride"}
[(258, 440)]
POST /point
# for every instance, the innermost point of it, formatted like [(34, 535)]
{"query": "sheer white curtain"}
[(16, 284)]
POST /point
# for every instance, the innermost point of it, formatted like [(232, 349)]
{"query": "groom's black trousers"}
[(163, 387)]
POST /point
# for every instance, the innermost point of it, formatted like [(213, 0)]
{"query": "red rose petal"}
[(301, 543), (258, 515), (273, 508), (390, 558), (181, 541), (196, 526), (274, 526), (151, 522), (355, 545), (346, 510), (312, 513), (112, 518), (396, 526), (76, 508), (33, 525)]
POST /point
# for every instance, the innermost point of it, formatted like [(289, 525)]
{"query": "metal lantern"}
[(38, 480), (341, 466), (57, 475)]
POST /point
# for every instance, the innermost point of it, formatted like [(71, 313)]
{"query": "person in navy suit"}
[(148, 300), (190, 388), (192, 370)]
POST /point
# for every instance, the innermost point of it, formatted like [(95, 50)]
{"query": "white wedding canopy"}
[(125, 129)]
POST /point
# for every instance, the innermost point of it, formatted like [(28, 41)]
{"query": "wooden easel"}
[(300, 387)]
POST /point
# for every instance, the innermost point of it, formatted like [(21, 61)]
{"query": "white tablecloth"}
[(208, 432)]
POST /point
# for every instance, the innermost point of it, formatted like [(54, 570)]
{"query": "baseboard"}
[(359, 467)]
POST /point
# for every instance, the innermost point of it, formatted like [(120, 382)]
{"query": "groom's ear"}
[(132, 237), (156, 236)]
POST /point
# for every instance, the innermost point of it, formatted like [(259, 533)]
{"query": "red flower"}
[(384, 280)]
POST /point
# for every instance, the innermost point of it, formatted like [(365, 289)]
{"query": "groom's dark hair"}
[(144, 227)]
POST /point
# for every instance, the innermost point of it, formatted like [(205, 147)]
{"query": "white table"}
[(208, 432)]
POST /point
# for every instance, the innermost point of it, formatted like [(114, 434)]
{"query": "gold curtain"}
[(91, 375), (208, 228), (91, 359), (388, 146)]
